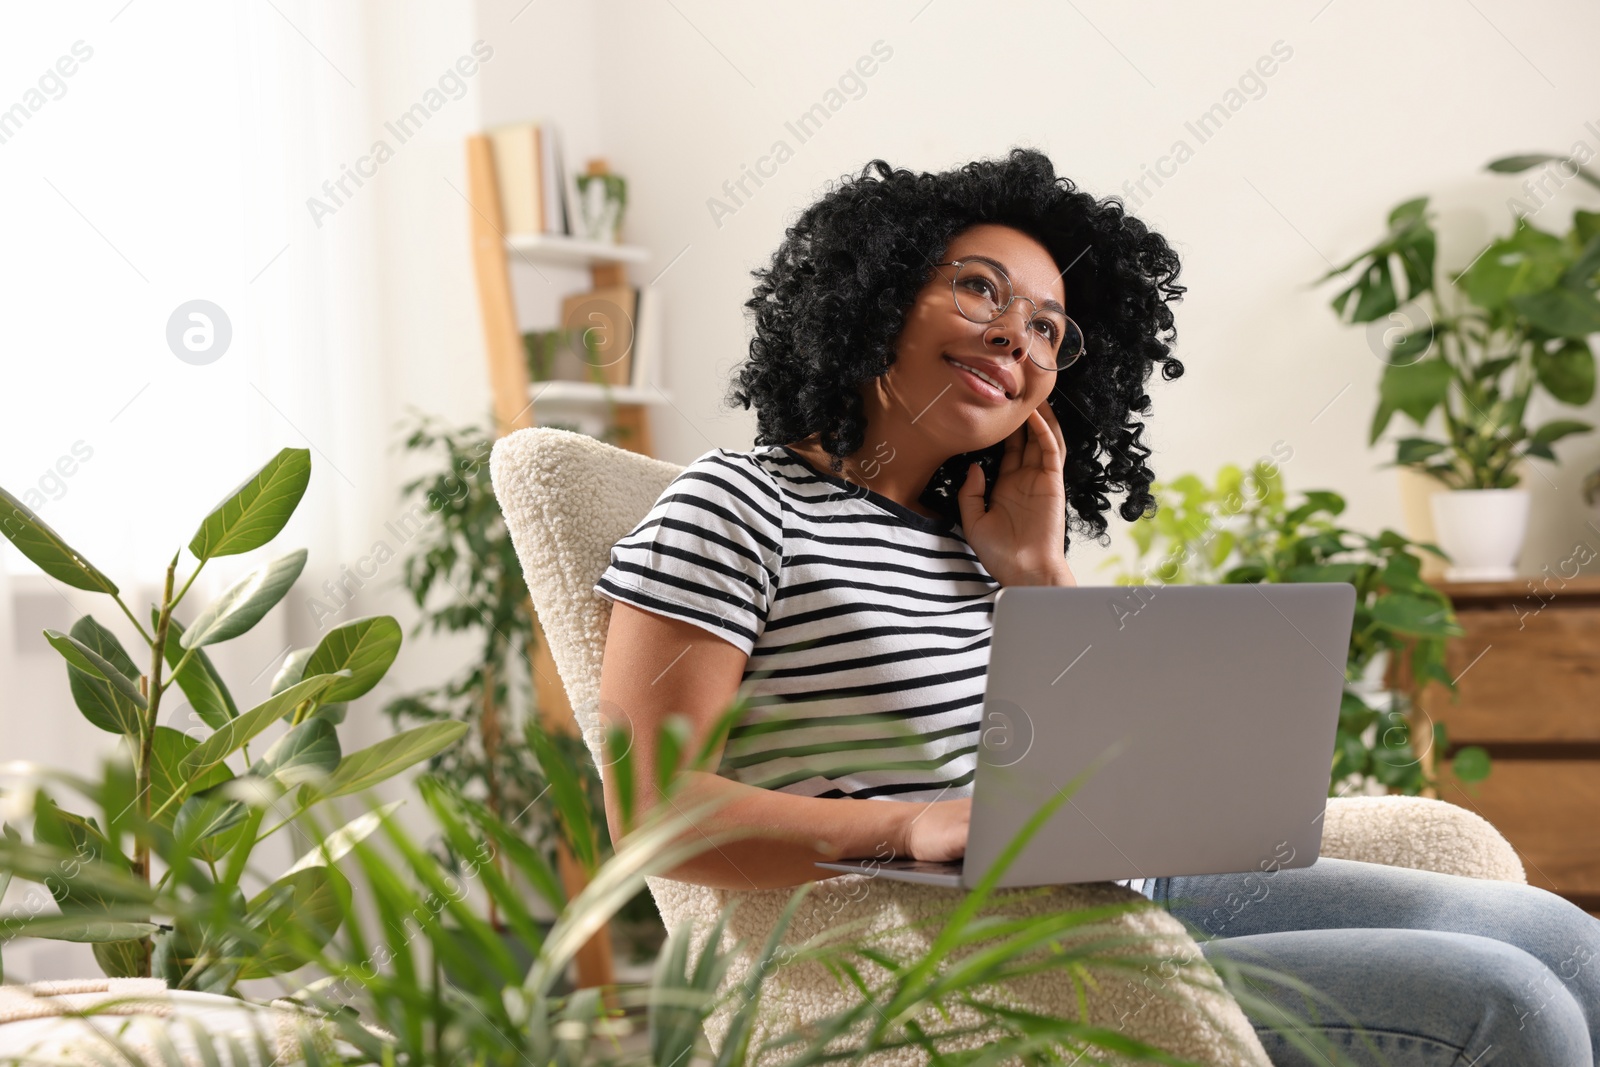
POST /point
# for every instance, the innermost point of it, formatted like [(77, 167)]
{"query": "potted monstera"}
[(1474, 351)]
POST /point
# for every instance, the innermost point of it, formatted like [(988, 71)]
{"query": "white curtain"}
[(173, 164)]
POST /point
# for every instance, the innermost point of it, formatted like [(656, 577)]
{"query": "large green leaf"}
[(1556, 429), (1380, 288), (1561, 311), (1568, 372), (81, 927), (103, 703), (1416, 389), (1527, 261), (364, 647), (311, 902), (257, 511), (92, 663), (245, 602), (1408, 614), (238, 732), (366, 768), (209, 824), (46, 549), (307, 752), (200, 681), (168, 774)]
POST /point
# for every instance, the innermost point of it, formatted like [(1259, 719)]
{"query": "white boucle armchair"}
[(568, 497)]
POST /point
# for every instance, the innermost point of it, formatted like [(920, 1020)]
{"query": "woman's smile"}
[(987, 380)]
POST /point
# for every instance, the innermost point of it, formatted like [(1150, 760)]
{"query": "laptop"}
[(1202, 718)]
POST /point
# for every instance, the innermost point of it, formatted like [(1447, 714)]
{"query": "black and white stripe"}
[(867, 625)]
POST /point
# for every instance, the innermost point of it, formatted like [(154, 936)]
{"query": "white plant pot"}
[(1482, 530)]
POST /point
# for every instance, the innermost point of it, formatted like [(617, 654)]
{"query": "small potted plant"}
[(1515, 321)]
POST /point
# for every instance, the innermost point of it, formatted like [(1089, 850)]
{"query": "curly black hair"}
[(830, 307)]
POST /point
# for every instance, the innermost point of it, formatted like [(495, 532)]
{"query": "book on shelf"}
[(612, 334), (647, 335), (532, 178)]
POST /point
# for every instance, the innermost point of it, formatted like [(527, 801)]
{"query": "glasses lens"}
[(982, 292), (1071, 345)]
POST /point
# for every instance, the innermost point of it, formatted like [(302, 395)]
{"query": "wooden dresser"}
[(1528, 671)]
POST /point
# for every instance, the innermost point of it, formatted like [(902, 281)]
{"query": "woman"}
[(945, 368)]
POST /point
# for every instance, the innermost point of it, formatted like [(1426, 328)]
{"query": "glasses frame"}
[(1000, 314)]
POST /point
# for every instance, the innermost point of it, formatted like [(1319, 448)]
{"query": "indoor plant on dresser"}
[(1515, 321)]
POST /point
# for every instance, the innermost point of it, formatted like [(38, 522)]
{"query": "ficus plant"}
[(1477, 346), (196, 800), (1242, 529)]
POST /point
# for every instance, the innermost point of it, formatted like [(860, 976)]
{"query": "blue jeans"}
[(1418, 968)]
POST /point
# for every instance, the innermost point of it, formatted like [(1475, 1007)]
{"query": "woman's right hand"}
[(938, 831)]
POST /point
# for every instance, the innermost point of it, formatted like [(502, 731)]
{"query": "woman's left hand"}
[(1020, 540)]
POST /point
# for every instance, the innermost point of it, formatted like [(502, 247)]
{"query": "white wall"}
[(1376, 104)]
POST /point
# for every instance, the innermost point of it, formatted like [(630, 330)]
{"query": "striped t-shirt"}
[(866, 624)]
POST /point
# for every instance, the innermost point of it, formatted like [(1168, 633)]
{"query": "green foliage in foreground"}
[(195, 799), (414, 975)]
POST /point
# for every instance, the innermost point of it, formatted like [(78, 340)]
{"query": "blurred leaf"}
[(1416, 389), (168, 774), (1527, 261), (309, 903), (238, 732), (208, 823), (1470, 764), (1412, 450), (364, 647), (45, 548), (369, 766), (1408, 614), (1556, 429), (243, 604), (1561, 311), (1568, 372), (121, 959), (257, 510), (80, 927), (342, 840)]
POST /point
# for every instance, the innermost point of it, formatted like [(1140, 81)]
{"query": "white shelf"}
[(589, 393), (573, 251)]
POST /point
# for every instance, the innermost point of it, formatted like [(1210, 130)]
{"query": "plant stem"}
[(489, 727), (151, 684), (147, 638), (193, 575)]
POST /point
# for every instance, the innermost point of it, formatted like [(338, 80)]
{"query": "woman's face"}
[(927, 385)]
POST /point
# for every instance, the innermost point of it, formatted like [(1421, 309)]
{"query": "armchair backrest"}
[(567, 498)]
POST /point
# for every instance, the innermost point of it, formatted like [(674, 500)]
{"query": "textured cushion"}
[(568, 497)]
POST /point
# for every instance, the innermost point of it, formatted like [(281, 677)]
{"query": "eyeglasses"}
[(983, 293)]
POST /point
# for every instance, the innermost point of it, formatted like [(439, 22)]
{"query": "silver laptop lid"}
[(1211, 708)]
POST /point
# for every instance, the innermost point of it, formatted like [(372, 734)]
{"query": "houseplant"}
[(1241, 529), (1475, 350), (172, 796), (462, 573), (384, 990)]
